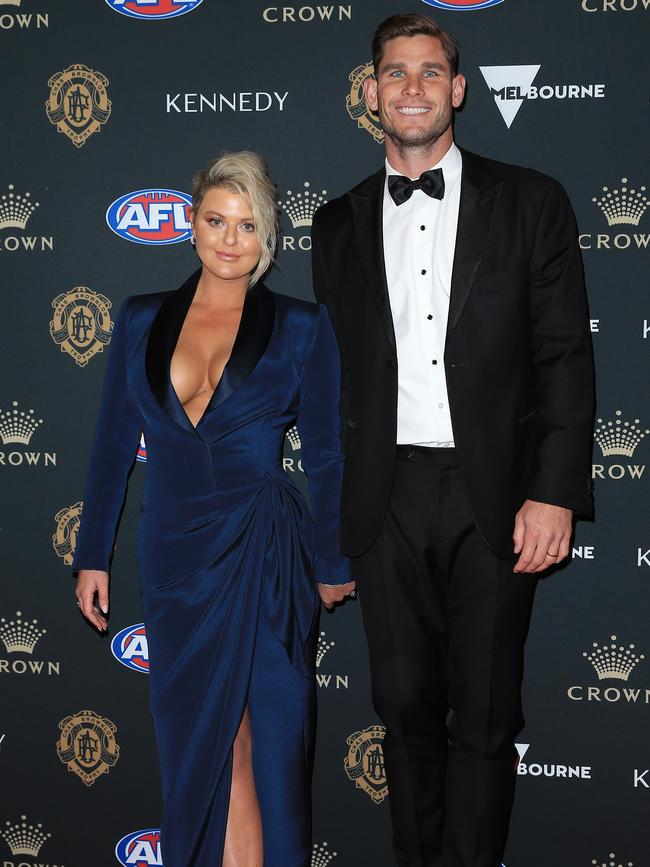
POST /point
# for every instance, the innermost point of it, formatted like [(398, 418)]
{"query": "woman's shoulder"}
[(297, 311), (139, 308)]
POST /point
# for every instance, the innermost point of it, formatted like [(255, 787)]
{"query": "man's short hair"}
[(413, 24)]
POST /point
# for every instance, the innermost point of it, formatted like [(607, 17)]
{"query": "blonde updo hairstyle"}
[(245, 173)]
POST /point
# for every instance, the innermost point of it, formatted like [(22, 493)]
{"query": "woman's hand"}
[(91, 583), (332, 593)]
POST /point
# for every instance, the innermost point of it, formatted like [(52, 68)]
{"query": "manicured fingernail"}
[(104, 608)]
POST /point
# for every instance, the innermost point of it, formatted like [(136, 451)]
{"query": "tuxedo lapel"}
[(478, 201), (253, 335), (366, 202), (255, 329), (163, 337)]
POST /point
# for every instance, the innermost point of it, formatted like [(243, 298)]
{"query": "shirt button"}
[(422, 228), (441, 406), (429, 316), (434, 361), (423, 271)]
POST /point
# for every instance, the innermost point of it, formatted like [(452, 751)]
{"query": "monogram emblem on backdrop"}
[(78, 104), (81, 324), (64, 538), (364, 762), (23, 838), (321, 856), (356, 104), (87, 745)]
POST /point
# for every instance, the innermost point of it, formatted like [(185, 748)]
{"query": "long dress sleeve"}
[(319, 427), (112, 456)]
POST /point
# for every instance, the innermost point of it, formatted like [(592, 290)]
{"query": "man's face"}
[(414, 91)]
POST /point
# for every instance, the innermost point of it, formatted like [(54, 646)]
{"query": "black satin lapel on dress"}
[(478, 201), (367, 204), (255, 328), (163, 337)]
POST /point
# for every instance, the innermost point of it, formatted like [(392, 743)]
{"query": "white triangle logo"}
[(522, 749), (509, 85)]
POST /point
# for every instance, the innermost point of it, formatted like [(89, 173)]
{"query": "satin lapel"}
[(478, 201), (367, 203), (255, 329), (163, 337)]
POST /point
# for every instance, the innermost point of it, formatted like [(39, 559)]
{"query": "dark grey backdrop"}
[(563, 816)]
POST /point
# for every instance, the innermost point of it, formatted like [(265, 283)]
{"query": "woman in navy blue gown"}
[(213, 374)]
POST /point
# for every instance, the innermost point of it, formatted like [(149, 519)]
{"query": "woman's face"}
[(227, 242)]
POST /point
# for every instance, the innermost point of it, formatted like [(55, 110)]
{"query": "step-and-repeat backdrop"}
[(108, 107)]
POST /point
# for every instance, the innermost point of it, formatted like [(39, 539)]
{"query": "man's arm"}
[(325, 290), (559, 331)]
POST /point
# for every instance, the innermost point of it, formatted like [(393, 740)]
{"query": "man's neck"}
[(411, 162)]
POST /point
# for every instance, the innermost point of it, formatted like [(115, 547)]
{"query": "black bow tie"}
[(401, 189)]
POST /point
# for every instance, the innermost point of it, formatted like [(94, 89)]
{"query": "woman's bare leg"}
[(243, 846)]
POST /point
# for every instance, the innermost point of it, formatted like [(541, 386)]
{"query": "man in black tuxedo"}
[(455, 286)]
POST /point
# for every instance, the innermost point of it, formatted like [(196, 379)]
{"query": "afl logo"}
[(141, 454), (140, 849), (462, 5), (151, 217), (153, 8), (131, 649)]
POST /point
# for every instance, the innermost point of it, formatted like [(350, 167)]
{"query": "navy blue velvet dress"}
[(229, 555)]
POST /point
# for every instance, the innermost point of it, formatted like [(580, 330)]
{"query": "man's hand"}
[(542, 536), (331, 593)]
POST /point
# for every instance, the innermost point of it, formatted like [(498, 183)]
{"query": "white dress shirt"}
[(419, 244)]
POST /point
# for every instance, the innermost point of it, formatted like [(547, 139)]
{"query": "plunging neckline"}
[(253, 334), (223, 370)]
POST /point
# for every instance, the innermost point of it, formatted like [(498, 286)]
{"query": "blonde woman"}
[(230, 560)]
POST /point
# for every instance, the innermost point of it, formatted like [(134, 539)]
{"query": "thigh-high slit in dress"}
[(229, 555)]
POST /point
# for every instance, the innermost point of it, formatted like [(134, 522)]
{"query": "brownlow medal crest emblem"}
[(81, 324), (78, 103), (87, 745), (356, 104), (364, 762)]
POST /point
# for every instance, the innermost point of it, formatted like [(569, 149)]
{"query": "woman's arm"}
[(112, 456), (319, 427)]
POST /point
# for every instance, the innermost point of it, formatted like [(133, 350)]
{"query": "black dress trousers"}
[(446, 621)]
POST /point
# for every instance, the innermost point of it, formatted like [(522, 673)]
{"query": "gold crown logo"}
[(612, 862), (300, 207), (623, 206), (10, 2), (610, 661), (320, 857), (322, 648), (15, 210), (619, 437), (24, 839), (18, 426), (19, 635), (294, 438)]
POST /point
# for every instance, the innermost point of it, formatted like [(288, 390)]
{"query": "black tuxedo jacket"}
[(518, 358)]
